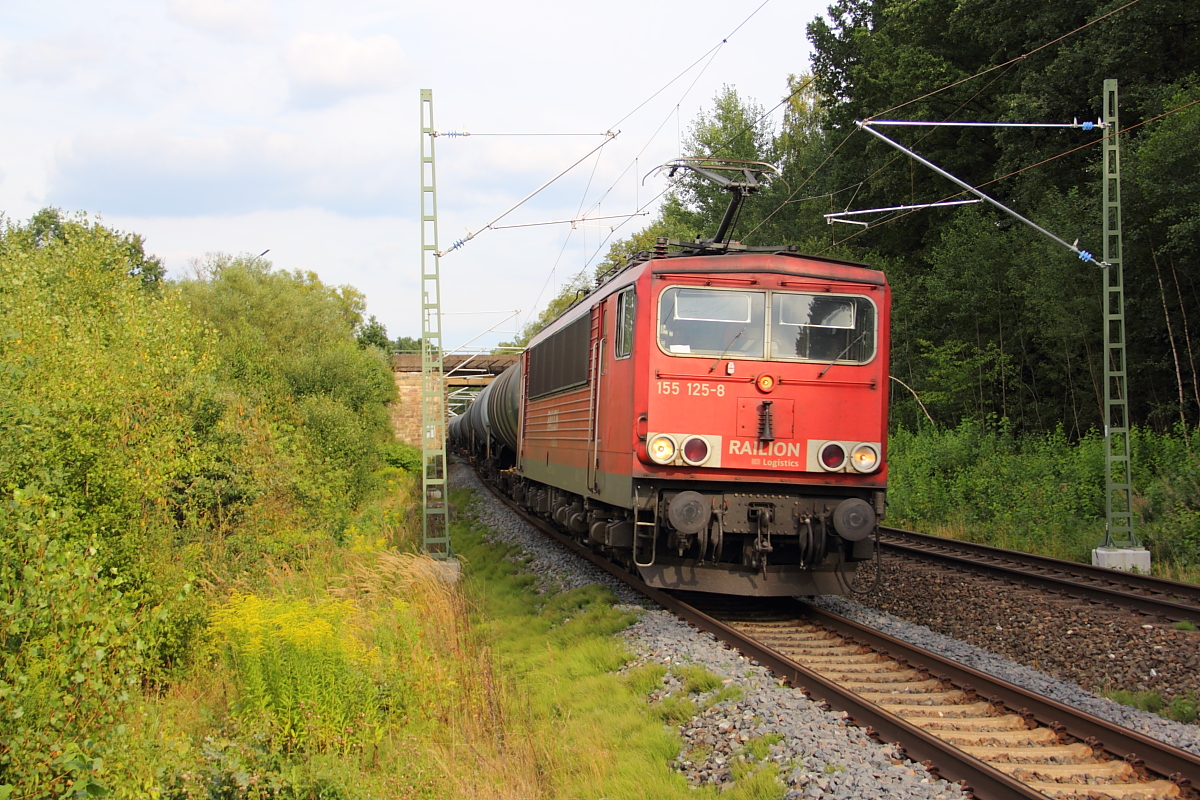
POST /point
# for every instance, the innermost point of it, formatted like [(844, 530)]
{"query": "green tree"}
[(570, 293), (790, 211), (897, 59), (373, 333), (733, 129), (98, 382), (1166, 171), (406, 344), (95, 374), (49, 226)]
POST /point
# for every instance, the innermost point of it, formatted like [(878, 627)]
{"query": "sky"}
[(244, 126)]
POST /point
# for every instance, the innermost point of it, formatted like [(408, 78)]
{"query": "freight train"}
[(713, 416)]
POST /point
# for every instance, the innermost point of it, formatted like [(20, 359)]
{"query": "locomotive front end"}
[(761, 452)]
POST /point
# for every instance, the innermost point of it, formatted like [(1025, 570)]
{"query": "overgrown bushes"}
[(75, 647), (1042, 492), (155, 436), (286, 341)]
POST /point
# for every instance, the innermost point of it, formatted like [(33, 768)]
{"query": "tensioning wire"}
[(1025, 168), (711, 55), (688, 69), (888, 163), (658, 130)]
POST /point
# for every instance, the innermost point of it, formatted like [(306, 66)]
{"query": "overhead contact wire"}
[(610, 136), (711, 54)]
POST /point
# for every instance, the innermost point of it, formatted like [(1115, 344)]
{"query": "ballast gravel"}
[(816, 753), (1095, 646), (813, 752)]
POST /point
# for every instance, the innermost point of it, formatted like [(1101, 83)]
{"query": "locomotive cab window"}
[(623, 340), (822, 327), (712, 322)]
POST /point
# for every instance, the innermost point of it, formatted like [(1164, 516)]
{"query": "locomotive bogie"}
[(774, 545)]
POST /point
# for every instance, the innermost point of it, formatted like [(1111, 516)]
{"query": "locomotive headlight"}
[(765, 383), (833, 456), (661, 449), (695, 451), (864, 458)]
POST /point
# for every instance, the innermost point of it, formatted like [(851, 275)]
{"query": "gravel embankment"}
[(1061, 648), (816, 753)]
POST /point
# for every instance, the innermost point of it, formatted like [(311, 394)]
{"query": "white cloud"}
[(235, 171), (50, 61), (234, 19), (324, 69)]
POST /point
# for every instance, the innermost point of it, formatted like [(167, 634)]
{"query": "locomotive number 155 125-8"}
[(691, 388)]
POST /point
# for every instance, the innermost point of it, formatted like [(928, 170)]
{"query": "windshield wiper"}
[(839, 355), (726, 351)]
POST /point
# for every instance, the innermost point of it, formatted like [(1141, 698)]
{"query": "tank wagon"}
[(712, 416)]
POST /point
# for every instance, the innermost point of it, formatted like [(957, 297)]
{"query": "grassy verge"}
[(364, 673), (592, 731), (321, 677)]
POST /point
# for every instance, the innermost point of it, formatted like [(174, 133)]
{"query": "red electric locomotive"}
[(714, 416)]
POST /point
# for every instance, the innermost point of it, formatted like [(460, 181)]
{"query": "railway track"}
[(907, 694), (997, 739), (1165, 599)]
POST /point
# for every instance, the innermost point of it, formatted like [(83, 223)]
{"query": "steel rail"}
[(944, 760), (1081, 580)]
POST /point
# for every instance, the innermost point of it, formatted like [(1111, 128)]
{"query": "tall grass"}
[(417, 614), (302, 682)]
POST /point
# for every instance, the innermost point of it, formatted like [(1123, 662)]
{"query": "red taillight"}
[(833, 456), (695, 450)]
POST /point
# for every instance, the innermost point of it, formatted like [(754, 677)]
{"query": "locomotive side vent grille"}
[(561, 361)]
